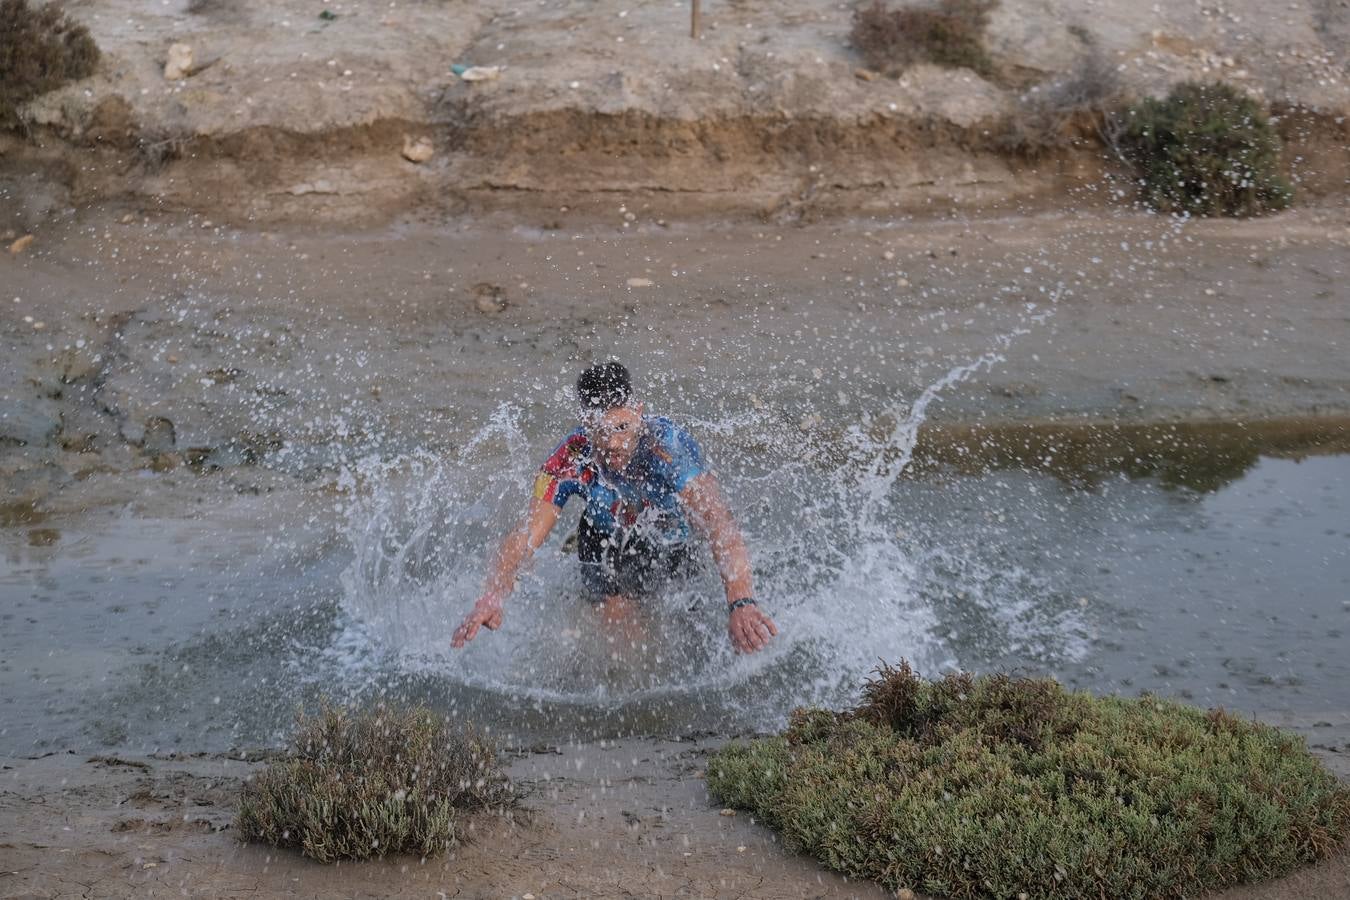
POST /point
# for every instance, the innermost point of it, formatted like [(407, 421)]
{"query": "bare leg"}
[(623, 622)]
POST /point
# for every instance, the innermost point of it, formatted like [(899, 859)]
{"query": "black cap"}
[(604, 386)]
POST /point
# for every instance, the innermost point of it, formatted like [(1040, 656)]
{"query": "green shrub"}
[(356, 785), (948, 34), (1207, 150), (40, 50), (1006, 787)]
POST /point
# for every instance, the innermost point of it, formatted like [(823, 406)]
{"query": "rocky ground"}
[(291, 111)]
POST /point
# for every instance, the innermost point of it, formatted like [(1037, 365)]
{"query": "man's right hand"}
[(486, 613)]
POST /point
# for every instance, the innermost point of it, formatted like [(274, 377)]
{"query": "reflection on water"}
[(1237, 596), (1173, 559)]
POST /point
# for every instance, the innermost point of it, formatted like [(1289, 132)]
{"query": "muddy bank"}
[(615, 819), (288, 116), (164, 343)]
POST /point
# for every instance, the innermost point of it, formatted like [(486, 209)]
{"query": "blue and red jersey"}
[(644, 495)]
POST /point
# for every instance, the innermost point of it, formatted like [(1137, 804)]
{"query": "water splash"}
[(822, 527)]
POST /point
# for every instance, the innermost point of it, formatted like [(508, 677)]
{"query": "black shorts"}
[(625, 562)]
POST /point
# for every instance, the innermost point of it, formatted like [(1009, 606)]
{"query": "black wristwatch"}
[(737, 604)]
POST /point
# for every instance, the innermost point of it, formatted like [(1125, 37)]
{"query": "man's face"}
[(614, 435)]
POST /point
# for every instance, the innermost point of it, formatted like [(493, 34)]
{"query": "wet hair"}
[(604, 386)]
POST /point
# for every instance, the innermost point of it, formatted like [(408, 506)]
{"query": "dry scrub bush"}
[(362, 784), (207, 7), (1206, 150), (1060, 112), (997, 786), (40, 50), (949, 34)]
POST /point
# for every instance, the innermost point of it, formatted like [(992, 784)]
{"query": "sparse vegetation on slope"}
[(948, 34), (40, 50), (1207, 150)]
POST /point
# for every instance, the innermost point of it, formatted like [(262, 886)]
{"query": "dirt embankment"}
[(288, 115)]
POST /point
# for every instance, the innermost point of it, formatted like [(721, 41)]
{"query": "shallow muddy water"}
[(142, 630), (350, 438)]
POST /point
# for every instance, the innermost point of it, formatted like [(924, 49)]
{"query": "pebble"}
[(904, 894), (481, 73), (727, 812), (128, 219), (417, 150), (888, 255), (640, 282), (21, 244), (489, 298), (902, 282), (179, 62)]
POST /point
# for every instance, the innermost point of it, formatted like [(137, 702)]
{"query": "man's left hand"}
[(750, 629)]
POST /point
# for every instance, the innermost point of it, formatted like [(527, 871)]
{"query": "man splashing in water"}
[(644, 481)]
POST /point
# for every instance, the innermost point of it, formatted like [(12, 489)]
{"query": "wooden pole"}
[(693, 20)]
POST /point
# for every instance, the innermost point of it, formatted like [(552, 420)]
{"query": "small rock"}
[(864, 75), (128, 219), (417, 150), (21, 244), (481, 73), (902, 282), (727, 812), (179, 64), (159, 436), (904, 894), (888, 255), (489, 298), (639, 282)]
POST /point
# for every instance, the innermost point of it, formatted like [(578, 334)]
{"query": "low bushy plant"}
[(40, 50), (1056, 114), (360, 784), (1208, 150), (948, 34), (1014, 787)]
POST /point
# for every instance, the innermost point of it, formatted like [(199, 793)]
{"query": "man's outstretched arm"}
[(750, 628), (518, 547)]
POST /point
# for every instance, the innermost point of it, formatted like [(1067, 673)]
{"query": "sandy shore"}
[(625, 818), (141, 341)]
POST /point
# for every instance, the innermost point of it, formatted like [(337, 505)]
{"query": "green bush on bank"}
[(1006, 787), (40, 50), (1207, 150), (360, 784)]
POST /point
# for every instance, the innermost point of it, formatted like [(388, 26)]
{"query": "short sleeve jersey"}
[(644, 495)]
